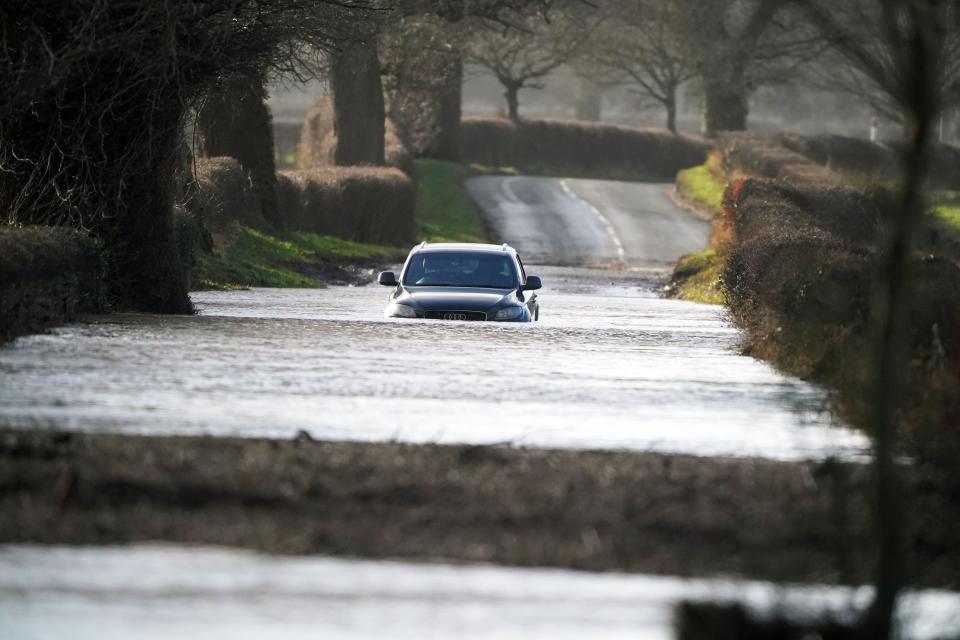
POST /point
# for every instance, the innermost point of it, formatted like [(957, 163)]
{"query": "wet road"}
[(610, 365), (170, 592)]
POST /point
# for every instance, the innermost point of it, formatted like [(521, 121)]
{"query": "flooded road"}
[(610, 366), (173, 592)]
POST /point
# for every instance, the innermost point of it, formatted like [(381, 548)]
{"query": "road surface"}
[(588, 222)]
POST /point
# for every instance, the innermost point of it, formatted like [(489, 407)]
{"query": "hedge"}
[(578, 148), (364, 204), (48, 276)]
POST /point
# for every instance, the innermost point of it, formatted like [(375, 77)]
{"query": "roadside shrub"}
[(194, 244), (318, 140), (364, 204), (578, 148), (224, 195), (809, 255), (48, 275), (774, 208), (756, 155), (855, 157)]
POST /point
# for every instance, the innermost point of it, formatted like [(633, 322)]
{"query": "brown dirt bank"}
[(592, 510)]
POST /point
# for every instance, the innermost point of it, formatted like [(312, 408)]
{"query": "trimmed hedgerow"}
[(578, 148), (48, 275), (363, 204)]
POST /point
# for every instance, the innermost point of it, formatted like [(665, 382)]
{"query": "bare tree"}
[(521, 56), (869, 75), (422, 68), (355, 71), (644, 45), (908, 60)]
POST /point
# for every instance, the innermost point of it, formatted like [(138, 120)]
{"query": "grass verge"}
[(699, 277), (703, 186), (251, 258), (444, 211)]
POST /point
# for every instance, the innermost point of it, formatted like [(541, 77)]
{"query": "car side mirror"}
[(533, 283), (387, 279)]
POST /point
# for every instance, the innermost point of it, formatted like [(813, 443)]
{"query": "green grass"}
[(255, 259), (444, 211), (332, 249), (949, 215), (699, 277), (703, 187)]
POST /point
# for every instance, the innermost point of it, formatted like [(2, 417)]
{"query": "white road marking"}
[(621, 255)]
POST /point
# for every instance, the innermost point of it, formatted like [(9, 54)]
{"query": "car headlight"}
[(509, 313), (397, 310)]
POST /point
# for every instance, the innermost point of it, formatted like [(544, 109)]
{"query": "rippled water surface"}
[(610, 365), (174, 592)]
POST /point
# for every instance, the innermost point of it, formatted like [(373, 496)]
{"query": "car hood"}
[(456, 298)]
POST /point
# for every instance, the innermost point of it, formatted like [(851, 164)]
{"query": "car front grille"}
[(455, 315)]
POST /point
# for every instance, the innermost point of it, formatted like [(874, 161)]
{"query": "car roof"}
[(469, 247)]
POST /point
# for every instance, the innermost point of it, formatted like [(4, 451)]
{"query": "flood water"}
[(610, 366), (161, 592)]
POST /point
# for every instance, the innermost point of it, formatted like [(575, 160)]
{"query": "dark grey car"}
[(446, 281)]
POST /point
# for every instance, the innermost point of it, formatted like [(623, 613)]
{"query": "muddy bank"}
[(653, 513)]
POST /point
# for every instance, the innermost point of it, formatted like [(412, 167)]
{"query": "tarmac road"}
[(593, 223)]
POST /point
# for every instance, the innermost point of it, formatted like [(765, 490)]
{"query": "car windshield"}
[(461, 269)]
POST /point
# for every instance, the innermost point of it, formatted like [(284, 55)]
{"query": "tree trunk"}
[(358, 104), (589, 101), (513, 102), (235, 121), (724, 102), (144, 265), (670, 104), (446, 144)]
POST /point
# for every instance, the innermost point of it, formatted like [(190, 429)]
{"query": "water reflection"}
[(609, 366)]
